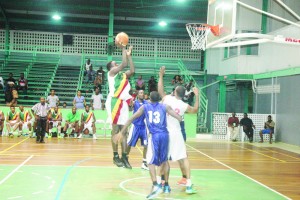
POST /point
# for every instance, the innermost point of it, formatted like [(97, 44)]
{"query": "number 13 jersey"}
[(155, 114)]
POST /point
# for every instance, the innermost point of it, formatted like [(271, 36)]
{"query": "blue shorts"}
[(183, 130), (136, 133), (266, 131), (158, 148)]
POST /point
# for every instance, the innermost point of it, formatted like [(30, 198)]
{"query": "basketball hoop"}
[(199, 33)]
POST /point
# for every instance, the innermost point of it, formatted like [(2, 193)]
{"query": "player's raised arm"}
[(194, 109), (171, 112), (130, 72), (114, 70), (160, 88), (118, 137)]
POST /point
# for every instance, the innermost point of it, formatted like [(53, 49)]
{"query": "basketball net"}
[(199, 33)]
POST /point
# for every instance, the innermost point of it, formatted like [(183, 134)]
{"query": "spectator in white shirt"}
[(87, 66), (96, 100), (1, 83), (53, 100)]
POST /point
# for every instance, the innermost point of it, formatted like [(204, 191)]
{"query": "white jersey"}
[(179, 107), (177, 149), (87, 66)]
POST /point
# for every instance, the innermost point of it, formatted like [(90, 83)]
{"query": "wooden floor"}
[(273, 168)]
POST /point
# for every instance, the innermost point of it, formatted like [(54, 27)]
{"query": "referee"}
[(40, 111)]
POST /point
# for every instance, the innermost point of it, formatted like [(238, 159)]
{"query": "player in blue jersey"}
[(158, 143), (138, 129)]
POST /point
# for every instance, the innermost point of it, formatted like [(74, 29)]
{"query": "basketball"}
[(121, 39)]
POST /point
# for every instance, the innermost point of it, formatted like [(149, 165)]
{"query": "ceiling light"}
[(163, 23), (56, 17)]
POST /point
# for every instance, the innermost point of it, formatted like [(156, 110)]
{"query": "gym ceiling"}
[(136, 17)]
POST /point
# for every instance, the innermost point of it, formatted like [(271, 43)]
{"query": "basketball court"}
[(67, 169), (71, 169)]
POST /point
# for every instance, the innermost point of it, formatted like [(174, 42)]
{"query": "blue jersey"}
[(156, 118), (140, 120)]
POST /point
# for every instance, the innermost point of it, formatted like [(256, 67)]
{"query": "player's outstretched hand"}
[(117, 138), (162, 71), (196, 91), (129, 51)]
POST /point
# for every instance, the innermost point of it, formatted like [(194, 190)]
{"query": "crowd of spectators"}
[(12, 88)]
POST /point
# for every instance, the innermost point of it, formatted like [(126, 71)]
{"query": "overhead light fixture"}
[(56, 17), (163, 23)]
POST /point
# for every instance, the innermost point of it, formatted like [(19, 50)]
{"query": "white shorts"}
[(122, 112), (177, 148), (88, 126), (55, 123), (13, 123), (25, 124)]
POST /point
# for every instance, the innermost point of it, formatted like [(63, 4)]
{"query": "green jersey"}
[(73, 117)]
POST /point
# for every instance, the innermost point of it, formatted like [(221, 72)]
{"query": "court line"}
[(139, 149), (66, 177), (240, 173), (16, 169), (13, 146), (260, 153), (281, 153)]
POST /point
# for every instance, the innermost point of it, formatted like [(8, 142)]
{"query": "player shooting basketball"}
[(118, 99)]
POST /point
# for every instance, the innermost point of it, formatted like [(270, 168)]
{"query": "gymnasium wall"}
[(247, 19), (287, 108)]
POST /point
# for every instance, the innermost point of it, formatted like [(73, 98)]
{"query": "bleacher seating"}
[(65, 83)]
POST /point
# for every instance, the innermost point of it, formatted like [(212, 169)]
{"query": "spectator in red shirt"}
[(233, 126)]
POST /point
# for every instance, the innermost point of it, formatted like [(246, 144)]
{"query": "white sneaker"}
[(95, 137), (79, 137), (145, 166)]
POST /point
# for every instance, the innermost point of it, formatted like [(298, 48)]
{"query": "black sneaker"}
[(126, 163), (117, 161)]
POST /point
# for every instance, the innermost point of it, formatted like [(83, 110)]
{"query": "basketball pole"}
[(268, 14), (288, 9)]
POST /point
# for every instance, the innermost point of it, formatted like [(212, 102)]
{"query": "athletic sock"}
[(162, 177), (183, 176), (158, 178), (58, 129), (124, 155), (116, 154), (144, 161), (155, 183), (166, 183), (188, 182)]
